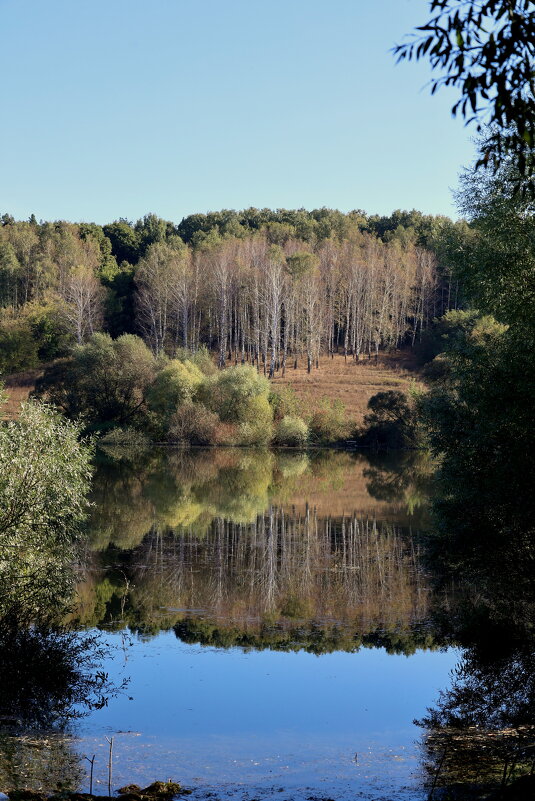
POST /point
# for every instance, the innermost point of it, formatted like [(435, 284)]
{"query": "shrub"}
[(105, 382), (18, 350), (231, 393), (437, 368), (174, 385), (291, 431), (44, 479), (329, 422), (391, 421), (201, 359), (456, 331), (194, 424), (257, 429), (284, 402)]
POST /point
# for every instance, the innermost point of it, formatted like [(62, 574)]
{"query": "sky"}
[(119, 108)]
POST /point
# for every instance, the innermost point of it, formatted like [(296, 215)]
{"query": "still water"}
[(274, 617)]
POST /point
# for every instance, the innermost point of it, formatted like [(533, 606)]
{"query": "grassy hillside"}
[(352, 382)]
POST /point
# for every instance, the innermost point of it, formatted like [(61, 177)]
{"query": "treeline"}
[(258, 285)]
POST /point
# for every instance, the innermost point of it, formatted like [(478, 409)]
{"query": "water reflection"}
[(480, 735), (317, 553), (33, 761), (274, 548)]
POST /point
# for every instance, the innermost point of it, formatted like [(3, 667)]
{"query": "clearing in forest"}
[(352, 382)]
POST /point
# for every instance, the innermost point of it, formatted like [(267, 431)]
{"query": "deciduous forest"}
[(265, 287)]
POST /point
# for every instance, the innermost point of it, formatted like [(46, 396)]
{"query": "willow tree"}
[(44, 479)]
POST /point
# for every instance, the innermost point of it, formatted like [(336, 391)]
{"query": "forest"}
[(268, 287)]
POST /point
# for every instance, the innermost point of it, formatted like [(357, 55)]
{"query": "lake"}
[(274, 616)]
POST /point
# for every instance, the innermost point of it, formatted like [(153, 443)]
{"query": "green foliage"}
[(485, 49), (301, 263), (391, 421), (291, 431), (280, 224), (230, 393), (9, 275), (329, 422), (119, 310), (48, 329), (173, 386), (44, 479), (457, 330), (496, 266), (193, 424), (480, 419), (201, 358), (284, 401), (125, 241), (256, 426), (105, 381), (18, 349), (35, 332), (438, 368)]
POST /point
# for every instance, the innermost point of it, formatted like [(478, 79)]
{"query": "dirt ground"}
[(352, 382)]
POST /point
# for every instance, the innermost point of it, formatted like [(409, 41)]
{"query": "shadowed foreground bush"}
[(391, 422)]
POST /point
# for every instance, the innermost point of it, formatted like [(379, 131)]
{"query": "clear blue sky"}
[(117, 108)]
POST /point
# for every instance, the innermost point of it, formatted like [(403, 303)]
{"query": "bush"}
[(201, 359), (437, 368), (291, 431), (391, 422), (174, 385), (18, 349), (284, 402), (44, 478), (105, 382), (257, 429), (329, 422), (231, 393), (455, 331), (194, 424)]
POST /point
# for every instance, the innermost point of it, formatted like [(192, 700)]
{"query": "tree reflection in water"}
[(49, 676), (481, 733), (230, 537), (291, 551), (295, 551)]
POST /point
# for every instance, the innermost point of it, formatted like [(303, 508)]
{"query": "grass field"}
[(18, 387), (351, 382)]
